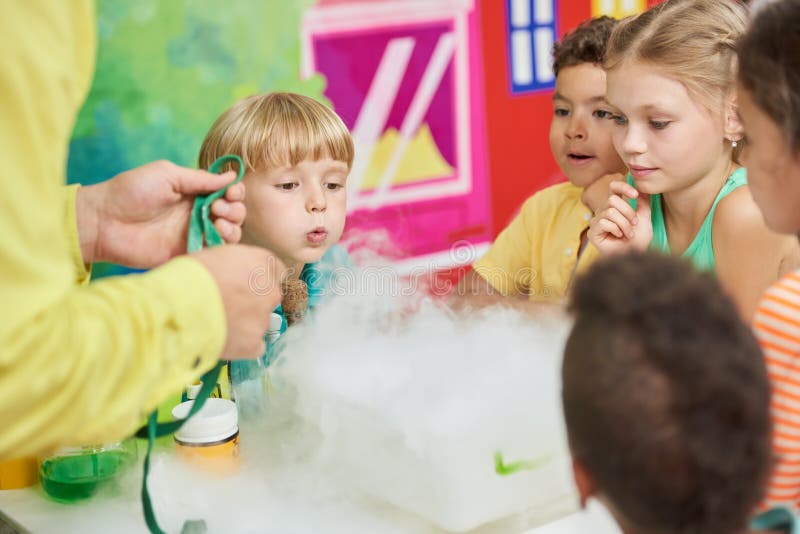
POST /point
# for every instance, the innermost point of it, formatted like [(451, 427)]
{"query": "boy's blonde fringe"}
[(275, 130)]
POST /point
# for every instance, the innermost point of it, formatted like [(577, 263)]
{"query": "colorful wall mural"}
[(448, 100), (406, 78)]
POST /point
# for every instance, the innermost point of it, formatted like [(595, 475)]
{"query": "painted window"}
[(531, 33)]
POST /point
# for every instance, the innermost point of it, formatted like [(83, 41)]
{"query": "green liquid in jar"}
[(76, 477)]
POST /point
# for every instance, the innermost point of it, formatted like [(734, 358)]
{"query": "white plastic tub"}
[(415, 417)]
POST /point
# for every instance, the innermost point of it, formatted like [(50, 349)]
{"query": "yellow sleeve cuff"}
[(193, 297), (83, 271)]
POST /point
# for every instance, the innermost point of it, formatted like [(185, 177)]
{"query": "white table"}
[(123, 515)]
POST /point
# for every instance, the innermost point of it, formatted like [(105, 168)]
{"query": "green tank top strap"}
[(701, 250)]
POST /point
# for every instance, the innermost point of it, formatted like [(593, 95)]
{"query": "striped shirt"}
[(777, 326)]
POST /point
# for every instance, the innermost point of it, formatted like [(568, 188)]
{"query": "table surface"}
[(279, 489), (31, 509)]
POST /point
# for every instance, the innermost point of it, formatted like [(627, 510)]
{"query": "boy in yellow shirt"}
[(536, 256)]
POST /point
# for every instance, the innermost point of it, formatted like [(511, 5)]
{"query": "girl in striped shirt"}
[(769, 107)]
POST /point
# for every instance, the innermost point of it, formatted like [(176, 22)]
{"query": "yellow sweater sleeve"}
[(78, 363), (83, 272)]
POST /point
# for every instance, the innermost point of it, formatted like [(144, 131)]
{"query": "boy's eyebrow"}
[(339, 166), (594, 99)]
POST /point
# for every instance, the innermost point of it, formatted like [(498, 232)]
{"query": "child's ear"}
[(584, 481), (734, 130)]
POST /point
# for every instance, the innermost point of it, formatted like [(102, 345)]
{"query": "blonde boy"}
[(297, 153)]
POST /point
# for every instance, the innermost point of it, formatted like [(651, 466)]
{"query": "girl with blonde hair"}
[(671, 83)]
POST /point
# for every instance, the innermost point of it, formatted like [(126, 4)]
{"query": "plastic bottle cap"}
[(217, 420), (275, 321)]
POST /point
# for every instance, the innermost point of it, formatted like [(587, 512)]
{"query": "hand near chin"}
[(596, 194), (617, 227)]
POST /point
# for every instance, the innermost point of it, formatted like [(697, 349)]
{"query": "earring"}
[(734, 143)]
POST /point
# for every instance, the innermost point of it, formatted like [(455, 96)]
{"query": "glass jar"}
[(76, 473)]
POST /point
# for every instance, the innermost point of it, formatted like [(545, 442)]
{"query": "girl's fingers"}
[(622, 206), (623, 189), (609, 227)]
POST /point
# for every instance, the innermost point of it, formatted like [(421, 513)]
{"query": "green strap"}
[(209, 380), (201, 231), (201, 225)]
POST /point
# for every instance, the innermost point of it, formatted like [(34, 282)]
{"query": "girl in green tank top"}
[(674, 123), (701, 250)]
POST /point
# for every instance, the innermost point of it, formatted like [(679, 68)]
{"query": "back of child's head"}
[(692, 41), (585, 44), (769, 56), (666, 397), (277, 129)]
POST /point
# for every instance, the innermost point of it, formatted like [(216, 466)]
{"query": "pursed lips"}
[(317, 235)]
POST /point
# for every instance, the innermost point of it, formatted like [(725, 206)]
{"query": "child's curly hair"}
[(666, 396), (585, 44)]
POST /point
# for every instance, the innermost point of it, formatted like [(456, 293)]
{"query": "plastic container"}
[(210, 439), (74, 474), (426, 431)]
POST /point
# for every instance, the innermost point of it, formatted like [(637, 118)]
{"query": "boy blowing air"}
[(297, 154)]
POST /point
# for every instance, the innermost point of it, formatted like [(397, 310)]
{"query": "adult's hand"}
[(249, 281), (140, 218)]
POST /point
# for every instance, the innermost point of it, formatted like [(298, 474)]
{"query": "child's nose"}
[(576, 129), (633, 142), (316, 201)]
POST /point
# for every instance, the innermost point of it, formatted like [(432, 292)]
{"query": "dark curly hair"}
[(585, 44), (769, 65), (666, 396)]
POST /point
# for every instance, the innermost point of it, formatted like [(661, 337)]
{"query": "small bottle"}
[(210, 438), (274, 331), (295, 300), (273, 334), (192, 390), (75, 473)]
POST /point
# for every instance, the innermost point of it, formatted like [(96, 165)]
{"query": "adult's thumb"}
[(200, 182)]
